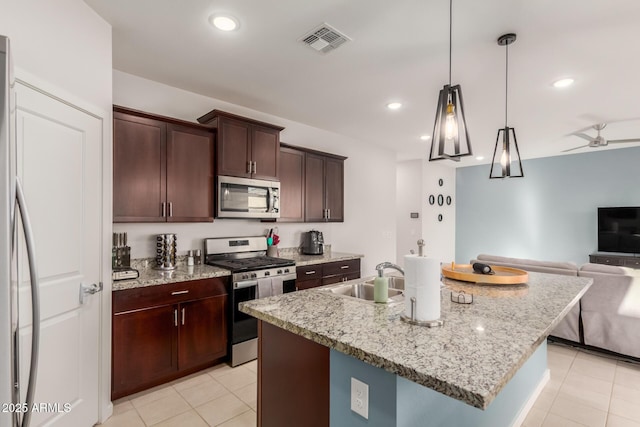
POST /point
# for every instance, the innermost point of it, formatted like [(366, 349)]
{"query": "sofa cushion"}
[(602, 268), (562, 268), (531, 262)]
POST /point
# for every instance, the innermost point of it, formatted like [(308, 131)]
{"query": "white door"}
[(59, 163)]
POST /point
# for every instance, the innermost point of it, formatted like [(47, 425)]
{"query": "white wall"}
[(63, 43), (439, 236), (408, 199), (369, 226), (416, 181)]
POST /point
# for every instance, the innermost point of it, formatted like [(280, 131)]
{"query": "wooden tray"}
[(502, 276)]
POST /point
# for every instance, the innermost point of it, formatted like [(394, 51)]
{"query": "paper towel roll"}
[(422, 281)]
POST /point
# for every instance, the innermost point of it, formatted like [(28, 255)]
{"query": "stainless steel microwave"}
[(247, 198)]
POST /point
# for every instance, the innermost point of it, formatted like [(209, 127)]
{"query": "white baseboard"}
[(532, 399)]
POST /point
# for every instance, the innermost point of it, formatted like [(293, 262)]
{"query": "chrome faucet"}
[(380, 267)]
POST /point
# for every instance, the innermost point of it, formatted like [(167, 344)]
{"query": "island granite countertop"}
[(471, 358)]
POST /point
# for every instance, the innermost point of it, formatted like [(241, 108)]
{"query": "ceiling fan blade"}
[(622, 141), (584, 136), (575, 148)]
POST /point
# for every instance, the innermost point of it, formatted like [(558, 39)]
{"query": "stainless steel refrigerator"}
[(14, 223)]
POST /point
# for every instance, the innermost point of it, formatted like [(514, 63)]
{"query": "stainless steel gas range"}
[(254, 275)]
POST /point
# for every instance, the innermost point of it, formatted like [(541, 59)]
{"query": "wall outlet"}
[(360, 398)]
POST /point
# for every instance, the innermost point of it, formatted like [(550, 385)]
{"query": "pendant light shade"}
[(450, 135), (506, 156)]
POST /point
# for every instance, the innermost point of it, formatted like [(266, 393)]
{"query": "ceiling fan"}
[(599, 141)]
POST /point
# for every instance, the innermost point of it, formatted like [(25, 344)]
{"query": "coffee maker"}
[(313, 243)]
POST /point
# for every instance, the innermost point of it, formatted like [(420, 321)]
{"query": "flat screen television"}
[(619, 229)]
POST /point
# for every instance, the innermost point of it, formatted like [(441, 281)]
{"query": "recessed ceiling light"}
[(394, 105), (563, 83), (224, 22), (425, 137), (480, 158)]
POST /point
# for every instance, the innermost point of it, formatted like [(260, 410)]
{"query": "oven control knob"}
[(267, 273), (254, 275), (279, 271), (286, 270), (245, 276)]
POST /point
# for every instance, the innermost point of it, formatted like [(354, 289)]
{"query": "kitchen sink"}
[(364, 291), (395, 282)]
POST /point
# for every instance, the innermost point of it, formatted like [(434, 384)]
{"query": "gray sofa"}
[(596, 321)]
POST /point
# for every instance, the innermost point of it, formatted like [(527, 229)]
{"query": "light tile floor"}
[(585, 389), (220, 396)]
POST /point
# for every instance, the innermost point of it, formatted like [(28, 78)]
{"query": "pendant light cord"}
[(450, 25), (506, 84)]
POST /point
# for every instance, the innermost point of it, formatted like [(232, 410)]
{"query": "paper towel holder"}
[(413, 321)]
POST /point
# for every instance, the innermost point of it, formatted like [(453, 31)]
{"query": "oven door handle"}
[(245, 284)]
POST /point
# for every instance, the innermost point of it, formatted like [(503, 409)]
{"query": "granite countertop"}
[(471, 358), (152, 277), (328, 256)]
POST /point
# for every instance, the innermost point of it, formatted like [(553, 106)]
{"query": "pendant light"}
[(510, 167), (450, 135)]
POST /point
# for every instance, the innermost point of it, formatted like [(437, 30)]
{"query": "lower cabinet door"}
[(144, 348), (203, 331)]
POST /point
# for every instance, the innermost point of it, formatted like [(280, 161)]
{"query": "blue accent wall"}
[(551, 213), (397, 402), (382, 393)]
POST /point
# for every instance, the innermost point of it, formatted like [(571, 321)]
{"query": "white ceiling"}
[(399, 51)]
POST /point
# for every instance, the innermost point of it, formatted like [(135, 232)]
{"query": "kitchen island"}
[(482, 367)]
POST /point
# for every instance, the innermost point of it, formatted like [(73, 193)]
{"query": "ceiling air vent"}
[(324, 38)]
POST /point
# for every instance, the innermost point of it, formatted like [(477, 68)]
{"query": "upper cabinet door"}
[(291, 185), (265, 152), (334, 189), (139, 178), (314, 206), (189, 174), (234, 148)]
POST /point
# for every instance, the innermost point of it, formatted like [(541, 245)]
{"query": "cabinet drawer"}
[(309, 272), (308, 284), (342, 267), (632, 262), (151, 296)]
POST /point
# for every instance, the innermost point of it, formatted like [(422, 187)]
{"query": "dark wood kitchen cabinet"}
[(245, 148), (293, 385), (292, 163), (324, 188), (163, 332), (162, 169), (311, 276)]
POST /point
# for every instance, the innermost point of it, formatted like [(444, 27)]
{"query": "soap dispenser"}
[(380, 288)]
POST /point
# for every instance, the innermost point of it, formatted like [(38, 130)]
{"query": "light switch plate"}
[(360, 398)]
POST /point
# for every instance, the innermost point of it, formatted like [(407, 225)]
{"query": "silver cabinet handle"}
[(182, 316), (328, 213), (310, 272), (344, 267), (89, 290), (170, 208), (35, 300), (179, 292), (164, 209), (255, 167), (175, 317), (249, 164)]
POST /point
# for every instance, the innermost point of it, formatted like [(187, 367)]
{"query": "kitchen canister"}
[(166, 246)]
